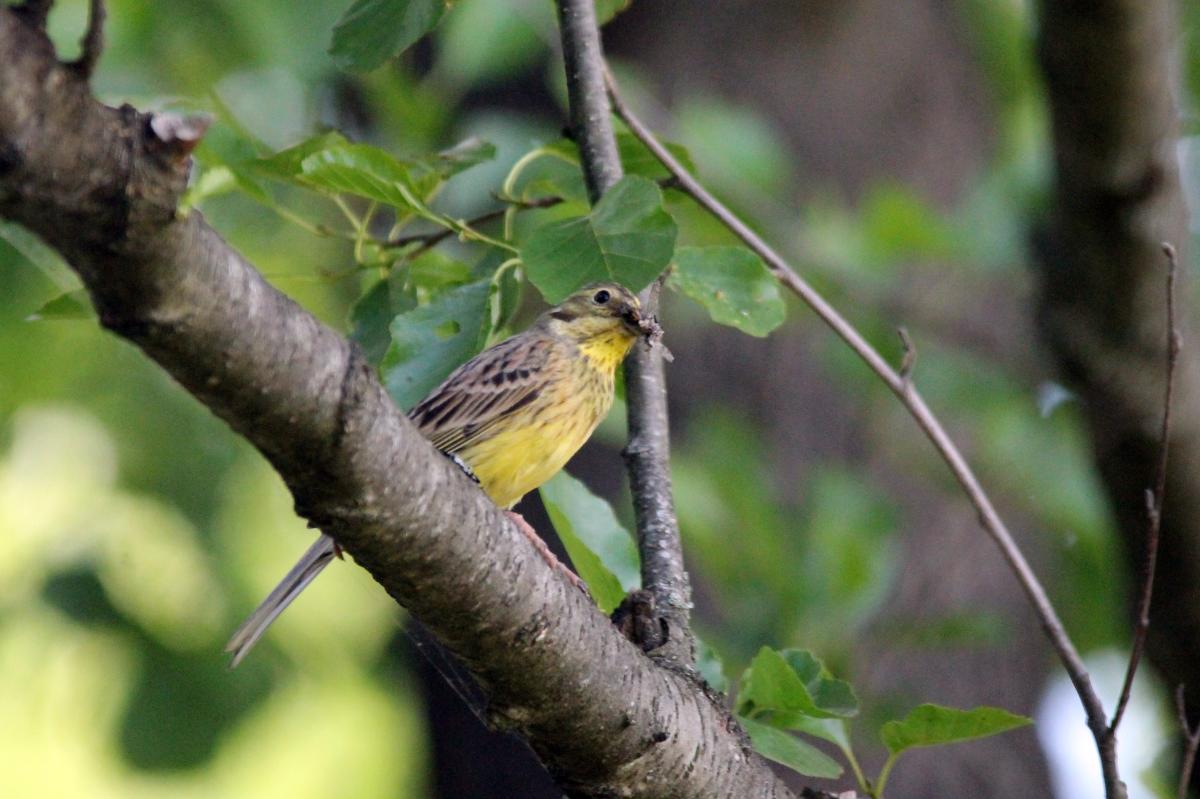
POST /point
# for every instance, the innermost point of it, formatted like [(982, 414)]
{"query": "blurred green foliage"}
[(135, 530)]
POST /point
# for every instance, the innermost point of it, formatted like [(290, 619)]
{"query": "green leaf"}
[(775, 744), (286, 163), (627, 238), (435, 271), (372, 31), (430, 341), (362, 170), (794, 681), (931, 725), (72, 305), (836, 731), (600, 548), (371, 317), (733, 284)]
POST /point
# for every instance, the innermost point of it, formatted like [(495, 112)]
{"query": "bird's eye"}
[(602, 296)]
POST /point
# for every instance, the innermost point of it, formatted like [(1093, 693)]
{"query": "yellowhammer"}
[(514, 415)]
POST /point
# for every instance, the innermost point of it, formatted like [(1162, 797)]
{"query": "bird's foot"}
[(545, 552)]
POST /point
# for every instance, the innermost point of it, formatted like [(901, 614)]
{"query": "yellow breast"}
[(522, 455)]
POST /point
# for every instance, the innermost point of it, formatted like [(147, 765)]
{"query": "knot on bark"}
[(638, 619)]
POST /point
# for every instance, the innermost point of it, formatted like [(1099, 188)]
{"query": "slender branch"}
[(1154, 499), (646, 457), (908, 395), (1191, 737), (647, 454), (97, 184), (92, 44), (591, 122)]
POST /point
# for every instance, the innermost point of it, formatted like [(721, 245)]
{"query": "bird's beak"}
[(646, 327), (633, 318)]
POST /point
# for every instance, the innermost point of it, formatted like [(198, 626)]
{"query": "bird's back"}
[(518, 411)]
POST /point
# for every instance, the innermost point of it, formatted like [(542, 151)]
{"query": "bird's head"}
[(599, 311)]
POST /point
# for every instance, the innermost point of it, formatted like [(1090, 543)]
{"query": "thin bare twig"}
[(989, 518), (1191, 737), (1154, 499), (92, 44), (647, 455)]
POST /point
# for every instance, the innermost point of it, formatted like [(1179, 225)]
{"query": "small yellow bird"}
[(514, 415)]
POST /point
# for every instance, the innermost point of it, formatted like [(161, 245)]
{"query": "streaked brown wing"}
[(486, 389)]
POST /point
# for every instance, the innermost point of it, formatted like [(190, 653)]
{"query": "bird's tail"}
[(306, 569)]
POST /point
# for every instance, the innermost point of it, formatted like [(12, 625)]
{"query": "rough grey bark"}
[(667, 593), (101, 186), (1108, 67)]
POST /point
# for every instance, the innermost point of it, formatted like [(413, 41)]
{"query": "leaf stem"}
[(876, 790), (855, 766)]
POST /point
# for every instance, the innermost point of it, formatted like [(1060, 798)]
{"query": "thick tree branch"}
[(647, 455), (101, 186)]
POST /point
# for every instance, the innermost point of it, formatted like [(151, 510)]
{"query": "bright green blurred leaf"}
[(733, 284), (741, 151), (899, 224), (372, 31), (794, 681), (484, 41), (72, 305), (931, 725), (430, 341), (852, 558), (628, 238), (601, 549), (775, 744)]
